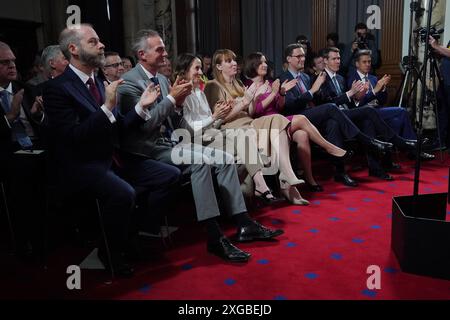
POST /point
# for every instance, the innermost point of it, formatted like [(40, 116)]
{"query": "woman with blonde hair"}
[(272, 131)]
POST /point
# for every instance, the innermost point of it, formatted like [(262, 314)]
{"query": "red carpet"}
[(324, 254)]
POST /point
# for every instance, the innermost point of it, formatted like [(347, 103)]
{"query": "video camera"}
[(422, 33)]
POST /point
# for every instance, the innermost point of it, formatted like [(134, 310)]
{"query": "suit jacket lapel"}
[(79, 91)]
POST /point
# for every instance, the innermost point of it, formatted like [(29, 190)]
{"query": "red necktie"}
[(94, 91)]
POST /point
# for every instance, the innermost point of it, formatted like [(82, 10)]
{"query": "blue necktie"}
[(339, 92), (337, 86), (17, 128)]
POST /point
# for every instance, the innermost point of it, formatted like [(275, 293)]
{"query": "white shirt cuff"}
[(109, 114), (7, 122), (312, 96), (144, 114), (172, 99), (348, 97)]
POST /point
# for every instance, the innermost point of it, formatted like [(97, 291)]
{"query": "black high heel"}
[(264, 197), (346, 157)]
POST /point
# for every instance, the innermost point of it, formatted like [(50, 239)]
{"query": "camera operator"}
[(444, 93), (439, 49), (363, 41)]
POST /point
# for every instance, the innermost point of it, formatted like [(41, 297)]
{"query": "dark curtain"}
[(110, 31), (270, 25), (207, 26)]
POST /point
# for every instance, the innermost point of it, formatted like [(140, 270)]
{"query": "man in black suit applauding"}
[(366, 118), (83, 124), (327, 117)]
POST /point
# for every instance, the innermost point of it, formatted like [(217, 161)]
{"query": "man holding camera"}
[(363, 41)]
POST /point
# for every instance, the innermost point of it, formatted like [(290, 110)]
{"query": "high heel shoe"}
[(264, 197), (346, 157), (293, 196), (286, 181)]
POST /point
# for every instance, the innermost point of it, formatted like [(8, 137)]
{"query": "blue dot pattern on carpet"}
[(336, 256), (280, 298), (291, 245), (314, 231), (263, 262), (448, 213), (368, 200), (428, 189), (230, 282), (437, 183), (334, 219), (316, 203), (390, 215), (391, 270), (352, 209), (392, 185), (375, 227), (145, 288), (369, 293), (357, 240), (381, 192), (333, 195), (296, 212), (311, 276), (276, 222), (186, 267)]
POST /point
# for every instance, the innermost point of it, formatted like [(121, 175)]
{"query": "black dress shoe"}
[(227, 251), (409, 145), (427, 157), (314, 188), (346, 180), (381, 175), (256, 232), (120, 268), (392, 166), (381, 146), (423, 156)]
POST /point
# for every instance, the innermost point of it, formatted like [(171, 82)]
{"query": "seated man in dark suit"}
[(367, 119), (328, 118), (375, 95), (152, 139), (21, 118), (84, 125)]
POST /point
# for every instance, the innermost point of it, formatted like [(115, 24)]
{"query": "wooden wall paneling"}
[(391, 44), (324, 21)]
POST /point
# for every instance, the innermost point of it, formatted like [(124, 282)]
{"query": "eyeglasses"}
[(299, 56), (7, 62), (114, 65)]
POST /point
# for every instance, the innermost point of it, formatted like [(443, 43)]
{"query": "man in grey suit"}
[(152, 140)]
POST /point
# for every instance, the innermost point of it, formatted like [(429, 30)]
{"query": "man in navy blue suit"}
[(367, 119), (83, 124), (375, 95), (328, 118)]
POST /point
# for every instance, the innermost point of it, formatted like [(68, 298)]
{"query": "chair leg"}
[(105, 239), (166, 221), (8, 216)]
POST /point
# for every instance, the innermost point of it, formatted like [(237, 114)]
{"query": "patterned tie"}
[(18, 131), (301, 85), (337, 86), (5, 100), (94, 92), (155, 81)]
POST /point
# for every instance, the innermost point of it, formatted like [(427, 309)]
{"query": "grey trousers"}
[(205, 164)]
